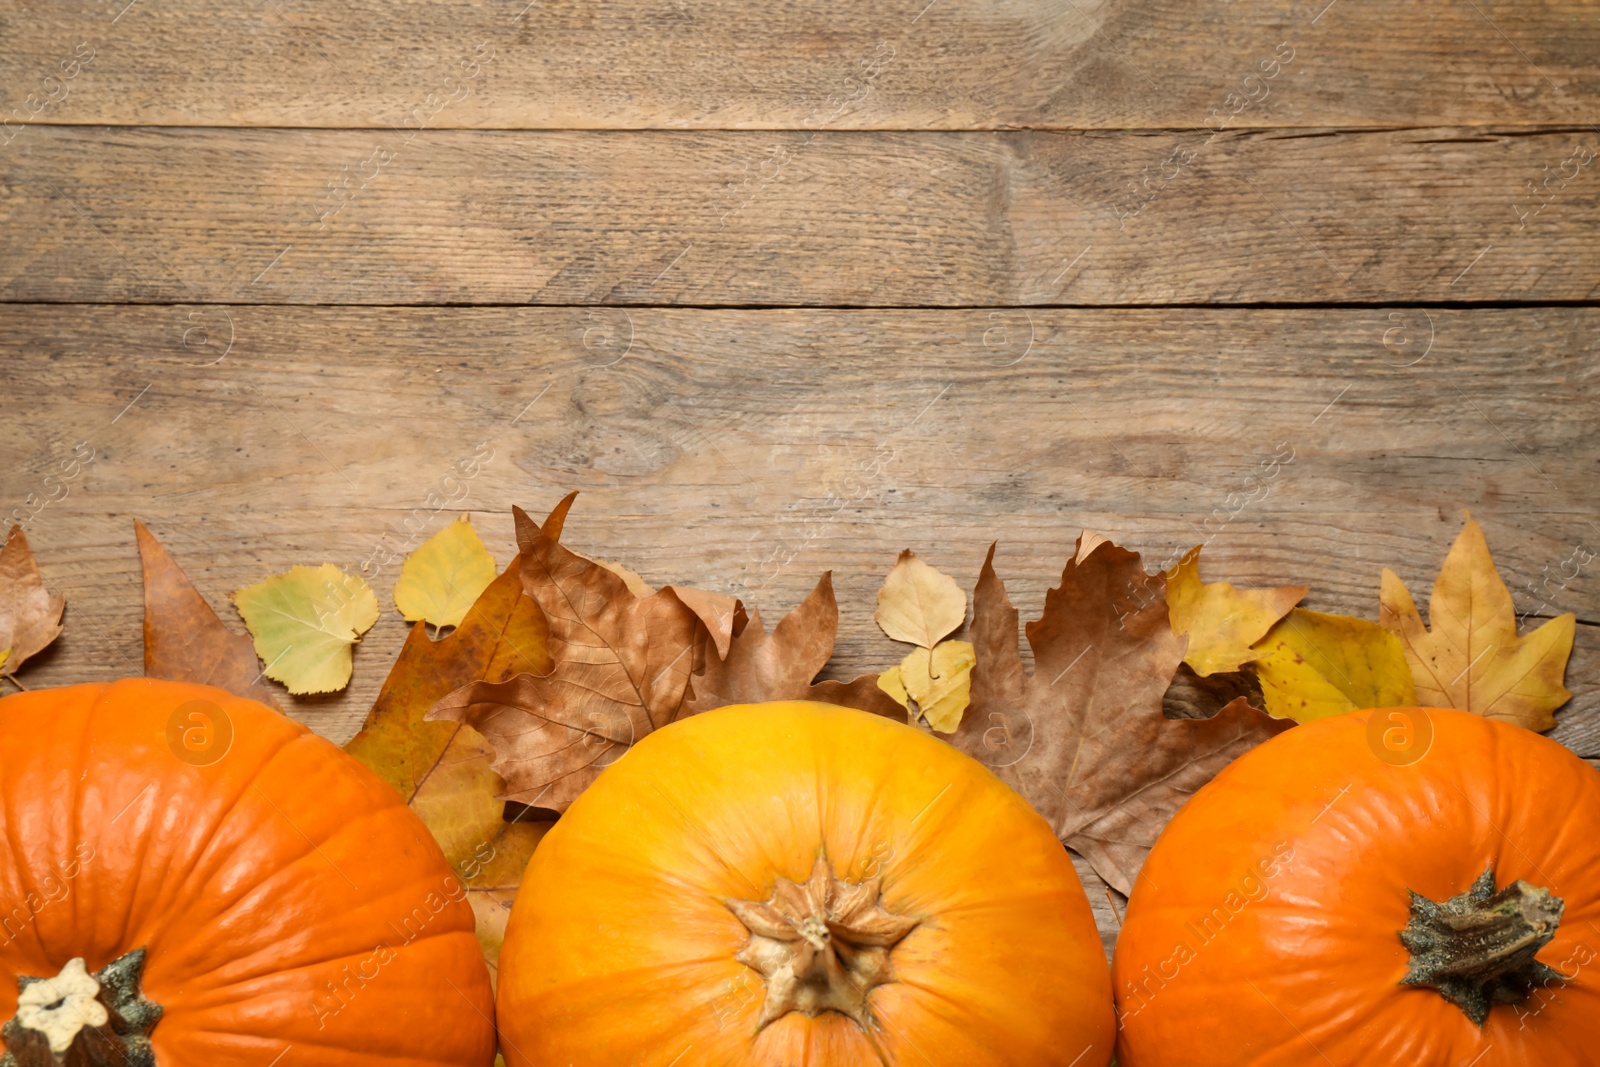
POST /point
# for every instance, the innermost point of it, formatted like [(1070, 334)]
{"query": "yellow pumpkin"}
[(795, 884)]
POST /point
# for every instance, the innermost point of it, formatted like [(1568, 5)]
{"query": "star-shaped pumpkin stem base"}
[(1476, 949), (822, 945), (79, 1019)]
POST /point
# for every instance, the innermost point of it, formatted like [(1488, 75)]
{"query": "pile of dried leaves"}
[(1142, 688)]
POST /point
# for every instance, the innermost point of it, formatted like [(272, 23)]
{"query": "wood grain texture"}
[(746, 451), (909, 219), (1001, 159), (933, 64)]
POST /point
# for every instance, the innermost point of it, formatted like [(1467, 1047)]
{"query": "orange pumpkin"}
[(1392, 888), (190, 879), (798, 884)]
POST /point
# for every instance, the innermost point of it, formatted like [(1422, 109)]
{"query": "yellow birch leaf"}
[(5, 654), (919, 604), (940, 682), (1222, 622), (444, 577), (1313, 665), (1473, 659), (937, 686), (304, 623), (889, 682)]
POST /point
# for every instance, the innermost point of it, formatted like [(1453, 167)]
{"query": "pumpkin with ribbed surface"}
[(276, 902), (800, 885), (1393, 888)]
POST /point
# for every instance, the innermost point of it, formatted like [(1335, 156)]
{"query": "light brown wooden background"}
[(788, 287)]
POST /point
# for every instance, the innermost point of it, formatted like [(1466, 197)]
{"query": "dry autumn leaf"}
[(1083, 737), (1221, 622), (1473, 659), (861, 693), (620, 669), (938, 682), (635, 583), (919, 604), (759, 666), (444, 769), (444, 576), (621, 666), (184, 640), (30, 615), (305, 622), (1312, 665), (552, 528), (722, 616), (1087, 543), (1193, 697)]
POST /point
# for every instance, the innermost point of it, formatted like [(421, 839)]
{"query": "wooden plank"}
[(908, 219), (747, 451), (948, 64)]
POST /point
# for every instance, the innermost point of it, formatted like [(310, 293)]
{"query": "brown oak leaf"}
[(760, 666), (1083, 737), (184, 639), (30, 615), (620, 669)]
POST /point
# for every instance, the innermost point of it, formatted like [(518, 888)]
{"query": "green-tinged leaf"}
[(441, 580), (304, 622)]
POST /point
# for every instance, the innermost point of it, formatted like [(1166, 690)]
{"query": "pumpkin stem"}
[(78, 1019), (821, 946), (1477, 949)]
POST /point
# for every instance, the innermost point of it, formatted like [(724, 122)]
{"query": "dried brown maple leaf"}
[(1083, 737), (780, 666), (444, 769), (722, 616), (184, 639), (620, 669), (30, 615)]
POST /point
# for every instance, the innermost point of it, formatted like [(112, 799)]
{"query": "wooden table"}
[(784, 288)]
